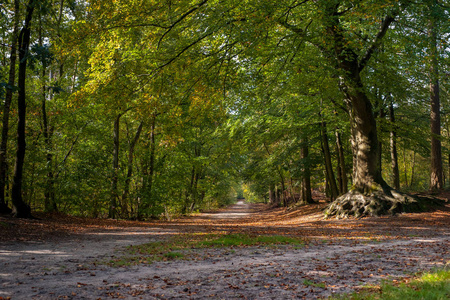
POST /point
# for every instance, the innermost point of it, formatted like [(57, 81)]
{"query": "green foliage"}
[(233, 89)]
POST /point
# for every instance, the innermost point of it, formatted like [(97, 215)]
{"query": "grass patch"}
[(178, 247), (236, 240), (430, 286), (307, 282)]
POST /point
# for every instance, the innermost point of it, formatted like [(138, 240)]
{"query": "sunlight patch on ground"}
[(229, 215), (38, 252), (123, 233)]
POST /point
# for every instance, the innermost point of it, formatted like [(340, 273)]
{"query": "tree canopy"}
[(139, 109)]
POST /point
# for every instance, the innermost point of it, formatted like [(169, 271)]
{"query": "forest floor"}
[(59, 257)]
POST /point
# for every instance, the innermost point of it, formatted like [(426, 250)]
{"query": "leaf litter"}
[(59, 257)]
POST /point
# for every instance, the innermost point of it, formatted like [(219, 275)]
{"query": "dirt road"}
[(331, 262)]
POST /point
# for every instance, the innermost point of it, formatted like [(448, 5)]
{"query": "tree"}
[(436, 182), (21, 209), (6, 109)]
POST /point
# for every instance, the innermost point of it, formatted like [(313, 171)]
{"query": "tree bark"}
[(148, 182), (328, 163), (22, 209), (114, 180), (126, 189), (394, 154), (370, 195), (413, 167), (272, 196), (343, 182), (6, 110), (436, 181), (49, 193)]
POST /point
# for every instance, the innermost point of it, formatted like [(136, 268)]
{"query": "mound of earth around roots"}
[(379, 201)]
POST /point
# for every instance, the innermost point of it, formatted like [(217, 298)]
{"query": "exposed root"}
[(379, 201)]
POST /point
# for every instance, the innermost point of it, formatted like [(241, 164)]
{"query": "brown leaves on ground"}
[(305, 221)]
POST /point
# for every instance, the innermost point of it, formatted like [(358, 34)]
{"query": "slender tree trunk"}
[(21, 209), (413, 167), (343, 182), (126, 189), (49, 194), (394, 154), (380, 142), (436, 181), (272, 196), (148, 193), (189, 193), (6, 109), (114, 180), (306, 179), (328, 163)]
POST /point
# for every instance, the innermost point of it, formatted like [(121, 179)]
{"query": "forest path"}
[(339, 256), (239, 210)]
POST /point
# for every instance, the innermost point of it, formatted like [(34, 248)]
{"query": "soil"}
[(57, 257)]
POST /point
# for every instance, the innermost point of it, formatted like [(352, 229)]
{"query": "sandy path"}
[(239, 210), (67, 269)]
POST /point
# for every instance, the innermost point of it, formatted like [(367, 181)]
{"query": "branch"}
[(70, 150), (183, 50), (377, 42), (292, 28), (183, 16)]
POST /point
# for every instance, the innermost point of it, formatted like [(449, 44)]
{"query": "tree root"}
[(379, 201)]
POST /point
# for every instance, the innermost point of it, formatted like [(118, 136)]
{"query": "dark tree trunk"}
[(343, 182), (21, 209), (394, 154), (6, 109), (328, 163), (306, 180), (114, 179), (49, 193), (382, 115), (148, 186), (436, 182), (413, 167), (126, 189)]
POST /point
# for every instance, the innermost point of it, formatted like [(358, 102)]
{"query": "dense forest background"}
[(142, 108)]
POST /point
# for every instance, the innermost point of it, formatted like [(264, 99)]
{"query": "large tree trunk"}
[(436, 181), (21, 209), (370, 195), (6, 109)]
